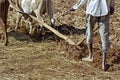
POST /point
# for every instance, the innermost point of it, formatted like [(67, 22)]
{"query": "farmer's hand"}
[(112, 9), (73, 8)]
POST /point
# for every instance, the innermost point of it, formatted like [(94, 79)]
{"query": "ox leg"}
[(30, 25), (38, 15), (50, 13), (19, 16), (5, 37)]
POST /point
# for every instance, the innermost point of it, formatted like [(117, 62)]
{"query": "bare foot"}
[(105, 67), (88, 59)]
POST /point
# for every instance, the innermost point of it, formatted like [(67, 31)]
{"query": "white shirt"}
[(94, 7)]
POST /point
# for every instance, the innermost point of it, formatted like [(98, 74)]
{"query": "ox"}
[(38, 7), (4, 5)]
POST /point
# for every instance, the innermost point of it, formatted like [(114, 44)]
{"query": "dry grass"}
[(50, 58)]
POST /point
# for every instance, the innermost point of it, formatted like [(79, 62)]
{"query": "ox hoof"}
[(53, 22), (88, 59), (6, 44)]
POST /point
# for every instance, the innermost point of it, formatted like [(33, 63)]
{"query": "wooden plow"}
[(78, 43), (64, 37)]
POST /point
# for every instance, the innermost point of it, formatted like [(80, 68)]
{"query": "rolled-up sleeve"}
[(79, 4)]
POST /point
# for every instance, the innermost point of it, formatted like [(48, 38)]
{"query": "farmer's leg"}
[(90, 22), (104, 33)]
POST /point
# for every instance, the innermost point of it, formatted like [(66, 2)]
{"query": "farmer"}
[(97, 11)]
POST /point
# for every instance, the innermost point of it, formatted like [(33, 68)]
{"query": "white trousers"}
[(103, 23)]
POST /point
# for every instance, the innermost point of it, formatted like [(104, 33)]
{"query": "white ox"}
[(39, 7)]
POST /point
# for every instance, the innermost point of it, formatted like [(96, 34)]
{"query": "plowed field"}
[(45, 56)]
